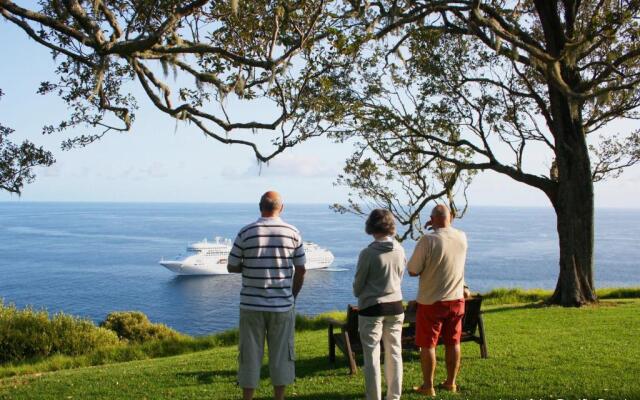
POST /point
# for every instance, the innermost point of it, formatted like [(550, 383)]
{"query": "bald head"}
[(440, 216), (271, 204)]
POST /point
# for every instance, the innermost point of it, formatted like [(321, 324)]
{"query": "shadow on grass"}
[(514, 308), (322, 365), (315, 396), (304, 368), (316, 365), (207, 377)]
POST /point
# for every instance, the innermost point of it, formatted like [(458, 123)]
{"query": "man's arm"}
[(416, 263), (234, 261), (237, 269), (298, 279)]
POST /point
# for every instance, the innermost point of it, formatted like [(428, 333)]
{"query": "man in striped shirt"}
[(269, 254)]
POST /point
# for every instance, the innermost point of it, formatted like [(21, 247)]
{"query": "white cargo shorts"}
[(278, 329)]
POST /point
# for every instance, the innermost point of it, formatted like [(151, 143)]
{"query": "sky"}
[(159, 161)]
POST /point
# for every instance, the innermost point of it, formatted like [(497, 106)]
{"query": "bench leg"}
[(483, 340), (350, 354), (332, 346)]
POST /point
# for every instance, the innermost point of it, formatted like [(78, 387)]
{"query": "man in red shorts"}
[(439, 259)]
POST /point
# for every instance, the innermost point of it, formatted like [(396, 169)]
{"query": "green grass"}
[(535, 353), (517, 296), (118, 353)]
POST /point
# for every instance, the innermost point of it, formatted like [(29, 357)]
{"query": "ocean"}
[(89, 259)]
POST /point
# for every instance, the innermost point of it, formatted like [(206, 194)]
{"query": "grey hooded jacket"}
[(379, 274)]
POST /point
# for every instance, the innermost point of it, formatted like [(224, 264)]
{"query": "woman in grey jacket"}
[(377, 286)]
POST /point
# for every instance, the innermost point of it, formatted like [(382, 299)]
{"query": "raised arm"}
[(418, 259)]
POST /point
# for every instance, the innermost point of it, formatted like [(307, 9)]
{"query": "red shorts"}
[(445, 316)]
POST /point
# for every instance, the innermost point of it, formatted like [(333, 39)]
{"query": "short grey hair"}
[(269, 203), (380, 221)]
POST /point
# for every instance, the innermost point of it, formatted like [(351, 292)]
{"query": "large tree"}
[(445, 89), (190, 59)]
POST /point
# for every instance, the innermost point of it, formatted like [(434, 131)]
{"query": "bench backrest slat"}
[(352, 321), (471, 314)]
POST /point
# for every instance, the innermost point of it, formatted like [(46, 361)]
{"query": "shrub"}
[(320, 321), (618, 293), (225, 338), (134, 326), (515, 295), (29, 333)]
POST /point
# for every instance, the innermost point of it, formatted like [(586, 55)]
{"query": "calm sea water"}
[(91, 258)]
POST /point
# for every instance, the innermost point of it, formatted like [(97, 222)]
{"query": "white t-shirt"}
[(439, 258)]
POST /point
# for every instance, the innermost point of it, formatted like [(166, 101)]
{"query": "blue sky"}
[(155, 162)]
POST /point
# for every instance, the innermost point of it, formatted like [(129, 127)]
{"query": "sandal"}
[(449, 388), (430, 391)]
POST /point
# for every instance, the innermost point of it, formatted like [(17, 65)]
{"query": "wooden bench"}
[(346, 337)]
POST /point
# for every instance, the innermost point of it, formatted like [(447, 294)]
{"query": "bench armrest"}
[(336, 323)]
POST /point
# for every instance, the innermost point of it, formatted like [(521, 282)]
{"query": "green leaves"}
[(266, 53), (17, 162), (613, 154)]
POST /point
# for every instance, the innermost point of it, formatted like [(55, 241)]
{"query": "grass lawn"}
[(535, 353)]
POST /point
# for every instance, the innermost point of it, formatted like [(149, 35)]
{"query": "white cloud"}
[(127, 172), (154, 170), (285, 165), (53, 171), (82, 172)]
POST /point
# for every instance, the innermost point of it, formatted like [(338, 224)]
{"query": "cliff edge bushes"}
[(134, 326), (28, 334)]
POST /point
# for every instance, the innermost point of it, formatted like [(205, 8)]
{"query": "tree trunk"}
[(572, 196), (573, 202), (574, 212)]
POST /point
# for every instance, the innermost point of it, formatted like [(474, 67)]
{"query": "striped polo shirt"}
[(267, 249)]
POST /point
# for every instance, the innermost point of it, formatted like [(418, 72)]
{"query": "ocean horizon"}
[(20, 201), (92, 258)]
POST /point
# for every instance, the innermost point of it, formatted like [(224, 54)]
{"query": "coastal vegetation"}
[(134, 326), (535, 351), (33, 341)]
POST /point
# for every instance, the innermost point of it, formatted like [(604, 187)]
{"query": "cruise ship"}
[(210, 258)]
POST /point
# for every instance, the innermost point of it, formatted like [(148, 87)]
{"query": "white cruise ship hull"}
[(181, 268), (199, 264)]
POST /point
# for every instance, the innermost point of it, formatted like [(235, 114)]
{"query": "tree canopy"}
[(456, 87), (187, 58)]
